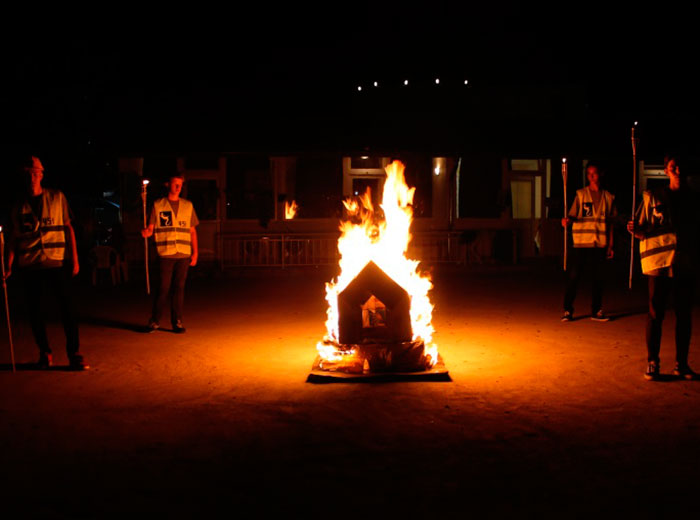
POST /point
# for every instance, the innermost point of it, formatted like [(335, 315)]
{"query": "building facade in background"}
[(470, 209)]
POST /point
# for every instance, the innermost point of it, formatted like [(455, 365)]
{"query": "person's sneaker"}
[(652, 373), (45, 361), (178, 327), (567, 316), (77, 362), (685, 372), (600, 316), (152, 326)]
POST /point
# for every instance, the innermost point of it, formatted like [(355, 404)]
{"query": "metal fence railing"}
[(317, 249), (279, 250), (282, 250)]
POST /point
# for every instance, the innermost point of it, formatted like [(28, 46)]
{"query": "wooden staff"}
[(144, 186), (7, 304), (565, 177), (634, 198)]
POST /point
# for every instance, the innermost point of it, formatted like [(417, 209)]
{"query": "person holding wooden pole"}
[(591, 218), (7, 302), (667, 224), (43, 243), (173, 224)]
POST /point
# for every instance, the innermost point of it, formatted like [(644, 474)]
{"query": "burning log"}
[(368, 357)]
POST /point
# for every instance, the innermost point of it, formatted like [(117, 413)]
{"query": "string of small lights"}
[(405, 83)]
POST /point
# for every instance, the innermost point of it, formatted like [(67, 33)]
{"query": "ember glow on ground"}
[(541, 417)]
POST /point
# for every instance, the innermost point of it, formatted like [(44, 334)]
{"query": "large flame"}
[(290, 210), (366, 236)]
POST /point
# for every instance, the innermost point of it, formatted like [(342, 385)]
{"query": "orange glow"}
[(290, 210), (367, 235)]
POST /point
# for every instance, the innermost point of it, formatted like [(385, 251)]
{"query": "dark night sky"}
[(212, 80)]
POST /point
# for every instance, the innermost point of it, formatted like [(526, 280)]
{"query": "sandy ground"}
[(541, 417)]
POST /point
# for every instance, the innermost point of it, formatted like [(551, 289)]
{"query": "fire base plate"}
[(318, 375)]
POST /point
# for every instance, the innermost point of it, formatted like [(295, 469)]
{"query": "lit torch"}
[(635, 141), (144, 194), (290, 210), (565, 177)]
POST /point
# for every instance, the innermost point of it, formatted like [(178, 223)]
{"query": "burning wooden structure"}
[(379, 313)]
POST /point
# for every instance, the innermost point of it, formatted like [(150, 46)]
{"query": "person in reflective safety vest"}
[(172, 224), (668, 228), (43, 243), (591, 218)]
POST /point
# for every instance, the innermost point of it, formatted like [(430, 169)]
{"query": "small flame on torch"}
[(290, 210)]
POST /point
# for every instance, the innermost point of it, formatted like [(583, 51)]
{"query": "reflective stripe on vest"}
[(658, 248), (172, 232), (41, 239), (590, 228)]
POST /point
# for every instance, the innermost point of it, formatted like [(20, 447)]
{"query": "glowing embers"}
[(373, 313)]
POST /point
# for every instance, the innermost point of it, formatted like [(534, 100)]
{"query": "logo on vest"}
[(658, 212), (183, 223), (47, 221), (587, 209), (166, 218)]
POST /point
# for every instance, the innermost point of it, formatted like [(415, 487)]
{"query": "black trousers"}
[(585, 259), (56, 281), (173, 273), (660, 287)]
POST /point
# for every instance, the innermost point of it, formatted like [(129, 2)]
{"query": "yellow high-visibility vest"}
[(591, 227), (41, 238), (172, 232), (658, 248)]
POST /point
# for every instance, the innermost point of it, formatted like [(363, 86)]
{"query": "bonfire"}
[(379, 311)]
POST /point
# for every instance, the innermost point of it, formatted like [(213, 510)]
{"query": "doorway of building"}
[(527, 202)]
